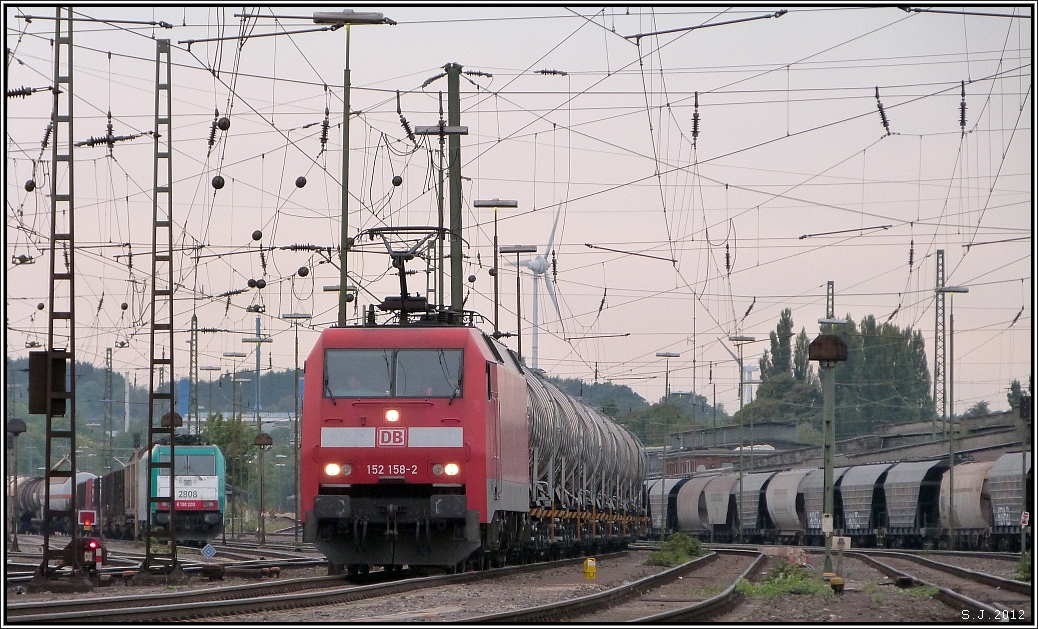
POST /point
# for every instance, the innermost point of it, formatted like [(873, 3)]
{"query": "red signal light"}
[(93, 544)]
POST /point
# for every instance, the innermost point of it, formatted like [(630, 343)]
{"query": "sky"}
[(830, 146)]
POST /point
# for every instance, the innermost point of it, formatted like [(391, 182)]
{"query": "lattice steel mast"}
[(940, 353), (161, 351), (59, 404)]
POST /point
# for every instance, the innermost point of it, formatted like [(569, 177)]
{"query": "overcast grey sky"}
[(792, 181)]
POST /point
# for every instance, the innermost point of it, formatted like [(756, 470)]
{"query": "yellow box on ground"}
[(589, 568)]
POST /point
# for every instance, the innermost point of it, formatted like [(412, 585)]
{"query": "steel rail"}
[(554, 612), (1011, 585), (947, 596), (257, 597), (714, 606)]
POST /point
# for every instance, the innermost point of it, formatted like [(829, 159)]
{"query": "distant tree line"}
[(649, 422), (884, 380)]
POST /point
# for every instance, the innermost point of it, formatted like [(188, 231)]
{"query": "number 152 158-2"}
[(392, 470)]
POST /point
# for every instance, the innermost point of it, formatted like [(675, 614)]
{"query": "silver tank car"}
[(31, 495), (581, 458)]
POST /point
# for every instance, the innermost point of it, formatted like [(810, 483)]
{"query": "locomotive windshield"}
[(392, 373), (190, 464)]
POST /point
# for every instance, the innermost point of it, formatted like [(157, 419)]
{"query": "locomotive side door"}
[(493, 433)]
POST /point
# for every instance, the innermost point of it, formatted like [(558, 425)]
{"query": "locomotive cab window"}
[(393, 373), (190, 464)]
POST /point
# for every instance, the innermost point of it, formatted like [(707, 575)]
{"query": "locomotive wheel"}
[(352, 569)]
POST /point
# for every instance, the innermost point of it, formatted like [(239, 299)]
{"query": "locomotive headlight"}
[(452, 469), (332, 469), (347, 469), (438, 469), (392, 415)]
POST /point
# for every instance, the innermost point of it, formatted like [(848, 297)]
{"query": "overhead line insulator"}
[(882, 114), (695, 122), (962, 110)]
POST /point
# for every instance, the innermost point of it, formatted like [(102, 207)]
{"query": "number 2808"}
[(392, 470)]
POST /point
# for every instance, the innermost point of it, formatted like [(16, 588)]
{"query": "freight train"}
[(120, 498), (896, 504), (430, 444)]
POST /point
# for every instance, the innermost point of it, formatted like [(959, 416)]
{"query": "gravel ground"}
[(119, 589), (1004, 568), (868, 597), (458, 602), (695, 586)]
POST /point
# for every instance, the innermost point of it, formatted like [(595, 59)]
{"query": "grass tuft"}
[(676, 550), (785, 579)]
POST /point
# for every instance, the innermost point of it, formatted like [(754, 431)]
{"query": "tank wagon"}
[(433, 445), (895, 505), (31, 496)]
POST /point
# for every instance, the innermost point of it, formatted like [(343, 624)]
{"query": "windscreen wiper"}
[(328, 389), (457, 388)]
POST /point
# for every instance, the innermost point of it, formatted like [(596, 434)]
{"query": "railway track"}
[(629, 602), (977, 595), (251, 598), (118, 564)]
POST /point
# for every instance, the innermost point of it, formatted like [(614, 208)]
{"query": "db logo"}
[(391, 437)]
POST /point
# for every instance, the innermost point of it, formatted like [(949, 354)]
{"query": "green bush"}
[(683, 544), (675, 550), (784, 579), (1023, 570)]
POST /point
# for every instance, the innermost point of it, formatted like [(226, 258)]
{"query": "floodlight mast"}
[(517, 249), (663, 453), (296, 319), (495, 203), (739, 340), (951, 416), (346, 18)]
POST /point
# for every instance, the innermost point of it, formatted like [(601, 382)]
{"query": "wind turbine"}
[(539, 266)]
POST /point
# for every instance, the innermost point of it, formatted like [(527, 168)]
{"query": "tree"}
[(1014, 394), (780, 361), (234, 438), (885, 379), (783, 398), (802, 368), (978, 410)]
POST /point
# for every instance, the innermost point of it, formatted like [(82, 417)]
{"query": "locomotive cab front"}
[(395, 445)]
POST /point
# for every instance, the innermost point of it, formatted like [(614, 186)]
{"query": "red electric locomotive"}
[(431, 445), (412, 437)]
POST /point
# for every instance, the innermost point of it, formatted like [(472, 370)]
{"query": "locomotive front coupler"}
[(359, 539), (391, 520)]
